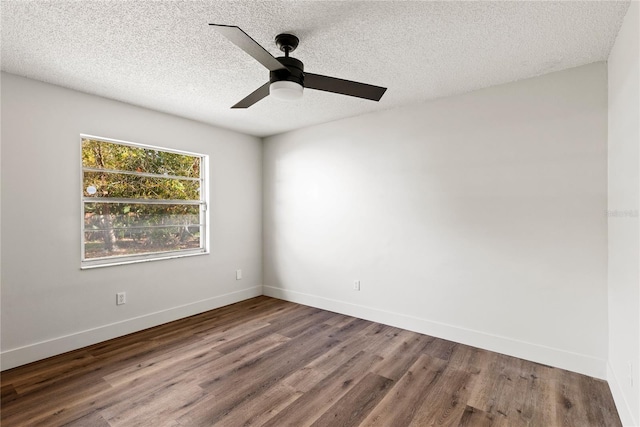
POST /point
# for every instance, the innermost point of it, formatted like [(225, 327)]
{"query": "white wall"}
[(624, 233), (48, 304), (479, 218)]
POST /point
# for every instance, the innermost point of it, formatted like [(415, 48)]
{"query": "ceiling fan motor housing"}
[(293, 73)]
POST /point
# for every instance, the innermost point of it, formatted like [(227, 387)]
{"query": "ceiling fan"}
[(287, 77)]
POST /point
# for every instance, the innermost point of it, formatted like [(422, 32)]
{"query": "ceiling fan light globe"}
[(286, 90)]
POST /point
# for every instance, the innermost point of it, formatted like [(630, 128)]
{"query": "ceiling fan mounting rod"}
[(287, 43)]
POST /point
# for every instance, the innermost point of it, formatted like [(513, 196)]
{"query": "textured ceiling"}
[(163, 55)]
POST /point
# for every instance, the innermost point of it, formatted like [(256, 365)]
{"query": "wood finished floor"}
[(267, 362)]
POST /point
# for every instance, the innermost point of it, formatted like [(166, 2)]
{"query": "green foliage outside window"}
[(139, 200)]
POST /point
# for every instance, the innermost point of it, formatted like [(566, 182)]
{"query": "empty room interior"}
[(327, 213)]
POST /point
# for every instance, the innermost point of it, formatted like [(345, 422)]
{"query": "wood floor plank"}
[(354, 326), (269, 362), (276, 320), (305, 410), (338, 320), (494, 389), (389, 341), (294, 329), (8, 394), (311, 374), (401, 404), (397, 359), (356, 404), (257, 375), (93, 419), (55, 408), (46, 375), (221, 336), (157, 363), (473, 417), (600, 406), (531, 400), (198, 367), (576, 401), (442, 349), (255, 412), (444, 402), (155, 409)]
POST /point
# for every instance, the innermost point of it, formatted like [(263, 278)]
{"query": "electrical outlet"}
[(238, 274), (356, 285), (121, 298)]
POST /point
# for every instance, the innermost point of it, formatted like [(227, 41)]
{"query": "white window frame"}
[(87, 263)]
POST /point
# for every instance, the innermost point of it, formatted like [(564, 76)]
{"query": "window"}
[(141, 203)]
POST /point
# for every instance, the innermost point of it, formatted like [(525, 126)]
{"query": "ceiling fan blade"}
[(255, 96), (344, 87), (249, 45)]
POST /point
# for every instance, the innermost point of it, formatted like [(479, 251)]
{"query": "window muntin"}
[(140, 203)]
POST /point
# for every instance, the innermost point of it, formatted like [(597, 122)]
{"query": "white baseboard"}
[(622, 405), (546, 355), (558, 358), (27, 354)]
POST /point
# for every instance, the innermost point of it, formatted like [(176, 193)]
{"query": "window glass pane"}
[(120, 229), (118, 185), (156, 240), (140, 202), (107, 155)]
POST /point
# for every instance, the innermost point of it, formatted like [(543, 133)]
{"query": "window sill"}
[(88, 265)]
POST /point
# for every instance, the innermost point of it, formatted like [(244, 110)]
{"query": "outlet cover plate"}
[(121, 298)]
